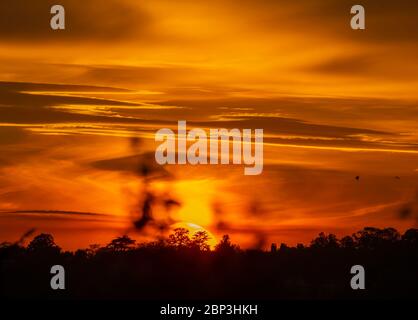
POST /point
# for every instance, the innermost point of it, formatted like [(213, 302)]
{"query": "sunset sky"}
[(334, 103)]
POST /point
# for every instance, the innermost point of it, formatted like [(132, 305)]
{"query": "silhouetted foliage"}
[(325, 241), (284, 247), (347, 242), (225, 246), (200, 240), (372, 238), (411, 236), (119, 244), (183, 267), (43, 243), (5, 244), (180, 238), (300, 246)]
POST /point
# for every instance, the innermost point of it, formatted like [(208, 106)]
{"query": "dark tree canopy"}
[(183, 266), (43, 242), (200, 240), (180, 238), (225, 245), (325, 241), (411, 236), (123, 243)]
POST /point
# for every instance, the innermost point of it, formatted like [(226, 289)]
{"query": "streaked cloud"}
[(91, 20)]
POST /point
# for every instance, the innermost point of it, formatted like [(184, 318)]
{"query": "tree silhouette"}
[(121, 244), (200, 240), (411, 236), (161, 271), (43, 242), (284, 247), (179, 239), (225, 245), (5, 244), (390, 235), (325, 241), (372, 238), (300, 246), (347, 242)]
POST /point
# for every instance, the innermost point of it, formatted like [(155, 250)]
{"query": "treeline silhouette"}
[(183, 266)]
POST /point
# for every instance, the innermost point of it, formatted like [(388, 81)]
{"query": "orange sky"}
[(334, 103)]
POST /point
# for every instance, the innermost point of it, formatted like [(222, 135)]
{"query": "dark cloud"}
[(13, 94), (22, 20), (134, 164), (11, 135), (386, 20), (289, 126), (350, 65), (53, 212), (21, 107), (347, 142), (332, 109), (51, 87), (368, 65)]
